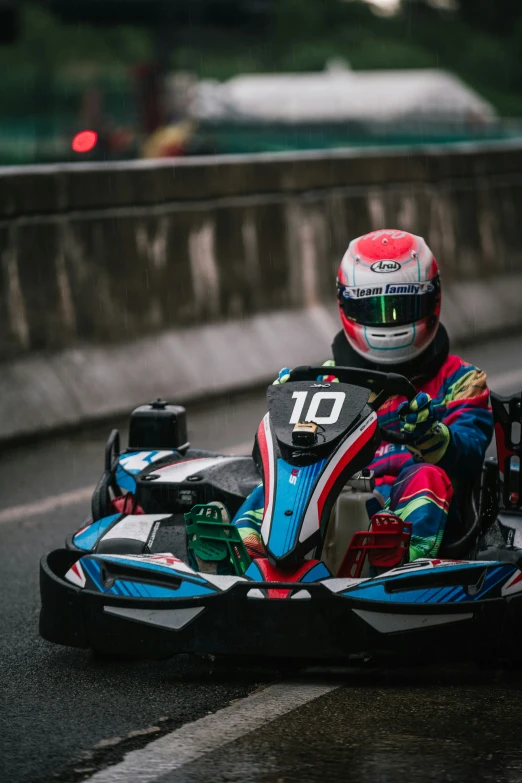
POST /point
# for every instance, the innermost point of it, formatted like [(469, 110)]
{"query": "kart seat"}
[(465, 528), (501, 486), (507, 415)]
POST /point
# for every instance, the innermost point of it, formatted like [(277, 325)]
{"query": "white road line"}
[(75, 496), (501, 382), (211, 733), (52, 503)]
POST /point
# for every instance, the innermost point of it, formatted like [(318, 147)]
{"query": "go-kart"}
[(135, 579)]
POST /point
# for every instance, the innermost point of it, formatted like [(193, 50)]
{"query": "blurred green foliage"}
[(49, 67), (47, 70)]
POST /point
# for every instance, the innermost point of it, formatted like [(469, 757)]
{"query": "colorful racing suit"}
[(417, 491)]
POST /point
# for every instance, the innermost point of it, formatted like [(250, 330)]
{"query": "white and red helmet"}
[(388, 289)]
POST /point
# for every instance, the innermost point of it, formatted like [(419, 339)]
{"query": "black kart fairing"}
[(164, 485), (196, 477), (292, 402), (302, 482), (110, 608)]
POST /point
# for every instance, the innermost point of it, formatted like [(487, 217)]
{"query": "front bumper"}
[(319, 624)]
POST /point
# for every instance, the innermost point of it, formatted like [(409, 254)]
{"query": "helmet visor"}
[(391, 304)]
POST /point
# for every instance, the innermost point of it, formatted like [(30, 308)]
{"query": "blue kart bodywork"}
[(124, 584)]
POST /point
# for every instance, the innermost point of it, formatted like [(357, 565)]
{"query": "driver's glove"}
[(283, 376), (328, 378), (431, 438)]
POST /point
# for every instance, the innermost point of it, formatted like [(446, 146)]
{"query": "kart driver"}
[(388, 289)]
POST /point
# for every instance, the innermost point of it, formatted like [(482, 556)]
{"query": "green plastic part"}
[(211, 539)]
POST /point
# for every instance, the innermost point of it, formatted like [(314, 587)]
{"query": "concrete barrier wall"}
[(95, 256), (106, 253)]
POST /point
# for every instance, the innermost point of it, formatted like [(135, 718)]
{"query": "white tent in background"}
[(339, 94)]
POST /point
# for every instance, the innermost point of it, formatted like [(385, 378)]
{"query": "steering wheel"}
[(382, 384)]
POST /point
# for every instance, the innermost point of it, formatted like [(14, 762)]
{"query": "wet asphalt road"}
[(383, 727), (64, 714)]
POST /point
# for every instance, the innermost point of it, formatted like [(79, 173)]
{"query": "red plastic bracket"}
[(126, 504), (385, 543)]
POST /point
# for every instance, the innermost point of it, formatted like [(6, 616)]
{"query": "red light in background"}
[(84, 141)]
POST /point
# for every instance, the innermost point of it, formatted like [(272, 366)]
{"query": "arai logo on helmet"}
[(385, 266)]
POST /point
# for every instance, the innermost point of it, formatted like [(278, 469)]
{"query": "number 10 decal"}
[(317, 399)]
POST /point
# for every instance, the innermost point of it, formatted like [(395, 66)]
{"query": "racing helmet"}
[(388, 287)]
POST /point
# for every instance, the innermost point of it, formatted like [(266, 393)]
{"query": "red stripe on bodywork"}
[(346, 458), (263, 448), (503, 453), (273, 574), (76, 570)]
